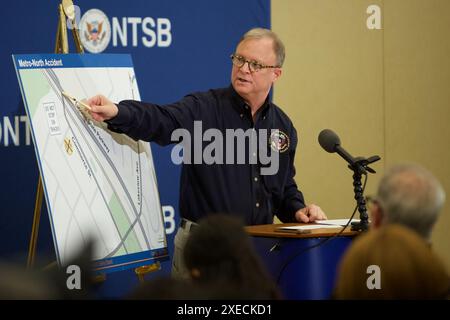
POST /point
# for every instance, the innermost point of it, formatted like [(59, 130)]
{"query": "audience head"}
[(392, 262), (18, 283), (408, 195), (219, 252)]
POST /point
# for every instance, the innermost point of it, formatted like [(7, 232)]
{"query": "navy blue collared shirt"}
[(237, 189)]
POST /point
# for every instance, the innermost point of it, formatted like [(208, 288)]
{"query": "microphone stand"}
[(360, 166)]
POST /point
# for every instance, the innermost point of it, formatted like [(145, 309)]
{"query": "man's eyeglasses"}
[(254, 66)]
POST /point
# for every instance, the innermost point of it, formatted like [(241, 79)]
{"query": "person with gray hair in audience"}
[(409, 195)]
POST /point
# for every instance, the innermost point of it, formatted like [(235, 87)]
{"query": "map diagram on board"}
[(98, 185)]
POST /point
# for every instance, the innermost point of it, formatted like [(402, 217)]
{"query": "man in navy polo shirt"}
[(249, 189)]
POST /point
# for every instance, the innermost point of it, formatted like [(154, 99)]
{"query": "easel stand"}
[(141, 272), (66, 12), (35, 227)]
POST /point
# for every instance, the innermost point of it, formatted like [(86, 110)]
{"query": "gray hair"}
[(410, 195), (278, 46)]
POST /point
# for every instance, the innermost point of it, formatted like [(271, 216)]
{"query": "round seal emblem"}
[(279, 141), (95, 31)]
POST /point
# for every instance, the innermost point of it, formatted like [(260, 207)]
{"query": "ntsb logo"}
[(96, 31)]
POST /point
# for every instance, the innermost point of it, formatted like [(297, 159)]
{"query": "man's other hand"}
[(310, 213), (102, 108)]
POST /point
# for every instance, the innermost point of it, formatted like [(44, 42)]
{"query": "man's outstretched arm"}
[(146, 121)]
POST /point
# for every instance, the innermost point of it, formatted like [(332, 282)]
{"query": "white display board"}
[(98, 184)]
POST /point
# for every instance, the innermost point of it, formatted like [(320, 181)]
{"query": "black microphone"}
[(330, 141)]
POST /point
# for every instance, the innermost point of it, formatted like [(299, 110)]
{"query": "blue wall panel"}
[(203, 35)]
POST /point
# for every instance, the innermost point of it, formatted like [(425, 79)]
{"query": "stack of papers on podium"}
[(336, 222), (320, 224), (309, 227)]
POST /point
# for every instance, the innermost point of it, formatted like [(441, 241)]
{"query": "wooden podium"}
[(304, 265)]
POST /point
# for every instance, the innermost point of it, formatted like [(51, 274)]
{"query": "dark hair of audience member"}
[(219, 254)]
